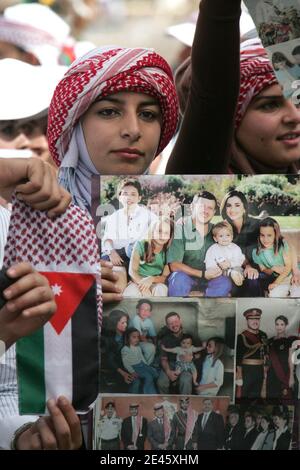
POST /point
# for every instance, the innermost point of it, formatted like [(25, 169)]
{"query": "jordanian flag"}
[(62, 358)]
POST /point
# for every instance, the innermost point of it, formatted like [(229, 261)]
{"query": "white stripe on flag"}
[(58, 362)]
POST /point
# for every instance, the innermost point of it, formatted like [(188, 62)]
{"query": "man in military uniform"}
[(109, 429), (182, 426), (251, 357)]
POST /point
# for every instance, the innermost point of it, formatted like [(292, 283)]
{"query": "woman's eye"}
[(108, 112), (148, 115), (270, 106)]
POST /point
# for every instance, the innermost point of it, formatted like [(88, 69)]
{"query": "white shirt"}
[(124, 230), (212, 374), (110, 428), (4, 225), (218, 253)]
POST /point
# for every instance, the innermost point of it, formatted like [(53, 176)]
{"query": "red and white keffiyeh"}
[(103, 72), (62, 357), (192, 416), (256, 73)]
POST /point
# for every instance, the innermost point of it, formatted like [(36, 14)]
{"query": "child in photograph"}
[(148, 266), (212, 375), (274, 258), (184, 359), (125, 226), (143, 323), (226, 255), (135, 362)]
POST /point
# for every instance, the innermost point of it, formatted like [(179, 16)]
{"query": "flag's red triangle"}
[(69, 290)]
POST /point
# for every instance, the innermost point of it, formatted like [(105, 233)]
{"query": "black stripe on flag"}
[(85, 349)]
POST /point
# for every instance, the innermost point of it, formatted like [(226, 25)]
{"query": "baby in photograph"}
[(184, 359), (226, 256)]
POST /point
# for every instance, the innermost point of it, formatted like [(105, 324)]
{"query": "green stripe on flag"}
[(31, 377)]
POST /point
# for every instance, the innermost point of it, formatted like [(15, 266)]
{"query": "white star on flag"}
[(56, 289)]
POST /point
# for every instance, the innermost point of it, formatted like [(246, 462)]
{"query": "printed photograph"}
[(285, 59), (164, 346), (161, 423), (204, 236), (267, 350), (259, 427), (277, 21)]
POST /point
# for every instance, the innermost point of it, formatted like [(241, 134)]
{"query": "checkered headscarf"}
[(106, 71), (256, 74)]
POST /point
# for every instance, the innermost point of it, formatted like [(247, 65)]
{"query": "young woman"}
[(282, 440), (234, 209), (267, 126), (274, 258), (265, 438), (116, 108), (212, 375), (280, 376), (148, 267)]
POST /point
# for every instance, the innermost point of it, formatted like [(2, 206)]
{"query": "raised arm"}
[(204, 142)]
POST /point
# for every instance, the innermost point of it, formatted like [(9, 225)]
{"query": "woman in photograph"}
[(266, 136), (112, 342), (275, 259), (283, 436), (148, 267), (234, 209), (280, 375), (265, 438), (286, 72), (212, 374)]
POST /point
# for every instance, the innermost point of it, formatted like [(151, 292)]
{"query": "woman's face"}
[(270, 130), (280, 326), (122, 325), (211, 347), (235, 209), (122, 133)]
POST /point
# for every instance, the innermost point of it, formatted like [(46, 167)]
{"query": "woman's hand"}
[(30, 303)]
